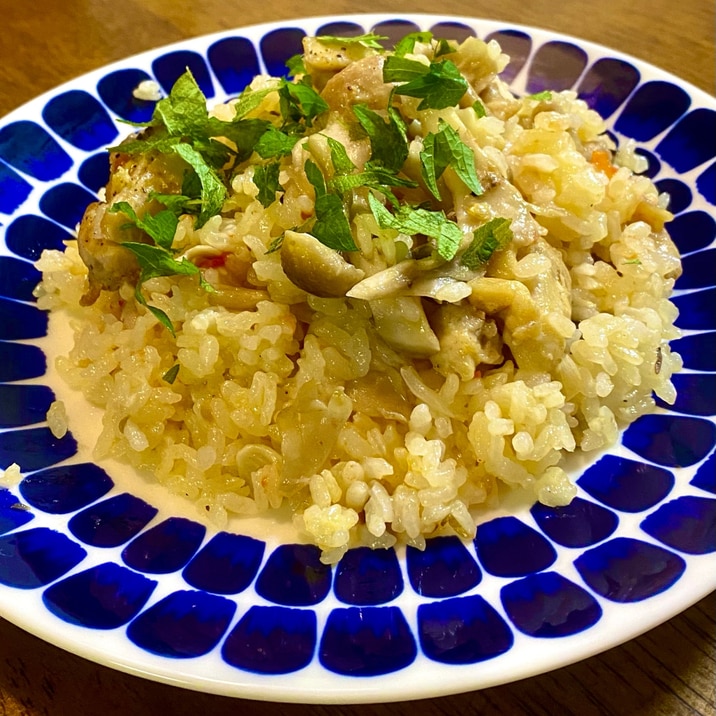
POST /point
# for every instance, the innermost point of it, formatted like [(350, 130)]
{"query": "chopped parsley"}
[(370, 40), (496, 234), (410, 220), (445, 149), (438, 85)]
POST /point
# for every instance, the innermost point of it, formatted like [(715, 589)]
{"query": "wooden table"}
[(670, 671)]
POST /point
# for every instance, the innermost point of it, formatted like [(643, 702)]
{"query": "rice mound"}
[(282, 397)]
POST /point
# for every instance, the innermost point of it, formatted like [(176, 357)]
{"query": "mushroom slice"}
[(401, 322), (315, 267)]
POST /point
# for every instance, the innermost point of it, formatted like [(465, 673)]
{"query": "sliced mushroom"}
[(401, 322), (316, 268)]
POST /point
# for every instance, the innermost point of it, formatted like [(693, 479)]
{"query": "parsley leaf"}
[(441, 86), (411, 220), (299, 101), (331, 226), (171, 375), (368, 40), (342, 163), (183, 112), (496, 234), (266, 179), (544, 96), (445, 149), (387, 139), (400, 69), (156, 261), (479, 108), (406, 44), (213, 190), (275, 143), (295, 65), (161, 227), (249, 100)]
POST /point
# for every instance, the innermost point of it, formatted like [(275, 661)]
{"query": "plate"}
[(104, 566)]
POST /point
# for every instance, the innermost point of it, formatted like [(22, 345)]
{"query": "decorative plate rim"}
[(310, 687)]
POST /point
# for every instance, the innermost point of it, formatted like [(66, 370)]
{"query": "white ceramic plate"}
[(107, 567)]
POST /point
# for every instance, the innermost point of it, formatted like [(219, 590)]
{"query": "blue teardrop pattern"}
[(670, 440), (112, 522), (691, 142), (32, 150), (20, 361), (507, 547), (556, 65), (687, 524), (116, 90), (280, 45), (697, 350), (653, 108), (170, 67), (367, 577), (581, 523), (697, 310), (695, 394), (272, 640), (294, 576), (33, 558), (705, 477), (17, 278), (14, 190), (443, 569), (462, 630), (626, 485), (81, 120), (94, 172), (106, 596), (66, 203), (35, 448), (457, 31), (21, 321), (24, 404), (13, 513), (516, 44), (629, 570), (340, 29), (692, 231), (66, 488), (706, 184), (227, 564), (394, 30), (607, 83), (235, 63), (366, 641), (548, 605), (165, 548), (699, 270), (679, 194), (183, 625), (28, 236)]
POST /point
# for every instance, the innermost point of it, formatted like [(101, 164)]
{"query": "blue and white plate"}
[(98, 562)]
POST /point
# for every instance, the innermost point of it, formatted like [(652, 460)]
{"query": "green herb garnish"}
[(496, 234), (439, 85), (416, 220), (445, 149)]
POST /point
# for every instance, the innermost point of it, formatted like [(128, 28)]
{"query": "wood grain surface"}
[(669, 671)]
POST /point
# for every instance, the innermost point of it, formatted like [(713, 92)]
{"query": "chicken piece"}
[(467, 338), (536, 311), (323, 59), (359, 83), (131, 178)]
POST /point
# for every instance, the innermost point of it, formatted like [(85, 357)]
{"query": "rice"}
[(268, 395)]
